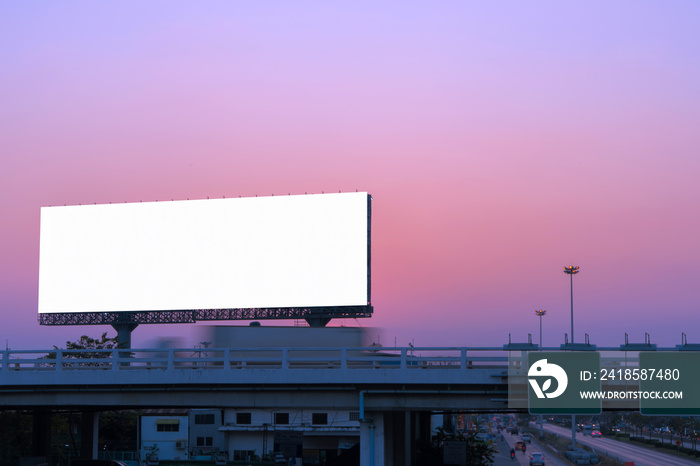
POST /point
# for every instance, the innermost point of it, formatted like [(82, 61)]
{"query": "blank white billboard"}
[(262, 252)]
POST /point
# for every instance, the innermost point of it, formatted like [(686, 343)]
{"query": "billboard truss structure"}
[(315, 316)]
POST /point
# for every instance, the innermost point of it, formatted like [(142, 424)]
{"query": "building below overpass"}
[(309, 436), (164, 434)]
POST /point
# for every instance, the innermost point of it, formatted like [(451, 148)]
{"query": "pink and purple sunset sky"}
[(500, 141)]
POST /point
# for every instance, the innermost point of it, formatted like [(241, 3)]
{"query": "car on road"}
[(596, 433), (536, 458), (520, 445), (526, 438)]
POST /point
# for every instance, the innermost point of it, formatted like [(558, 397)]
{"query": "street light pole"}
[(571, 271), (541, 313)]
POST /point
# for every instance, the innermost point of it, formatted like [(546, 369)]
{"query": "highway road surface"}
[(502, 458), (621, 450)]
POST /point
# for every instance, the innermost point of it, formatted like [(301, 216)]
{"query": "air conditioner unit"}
[(181, 444)]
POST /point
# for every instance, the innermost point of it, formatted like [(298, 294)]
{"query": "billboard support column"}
[(124, 326), (317, 321)]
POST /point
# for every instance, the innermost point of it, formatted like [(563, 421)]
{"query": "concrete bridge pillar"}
[(41, 434), (408, 442), (390, 437), (89, 430), (372, 440), (416, 428)]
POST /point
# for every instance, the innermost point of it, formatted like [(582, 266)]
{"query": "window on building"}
[(243, 418), (205, 441), (168, 425), (204, 419), (354, 416), (281, 418), (319, 418)]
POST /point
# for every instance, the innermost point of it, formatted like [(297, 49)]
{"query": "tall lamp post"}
[(571, 271), (540, 313)]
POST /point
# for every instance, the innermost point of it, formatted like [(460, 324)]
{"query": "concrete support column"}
[(379, 436), (413, 428), (395, 435), (124, 326), (365, 440), (409, 444), (389, 423), (372, 440), (41, 435), (423, 426), (124, 329), (89, 433)]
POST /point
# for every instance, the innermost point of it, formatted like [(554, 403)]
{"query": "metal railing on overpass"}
[(474, 378), (206, 377), (279, 358), (407, 358)]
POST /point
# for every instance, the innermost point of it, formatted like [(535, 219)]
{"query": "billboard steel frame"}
[(195, 315)]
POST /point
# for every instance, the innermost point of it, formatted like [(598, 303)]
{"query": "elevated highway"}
[(393, 389), (473, 379)]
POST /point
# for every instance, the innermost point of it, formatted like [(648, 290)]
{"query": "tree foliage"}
[(76, 349), (15, 436), (638, 421), (118, 430), (86, 343)]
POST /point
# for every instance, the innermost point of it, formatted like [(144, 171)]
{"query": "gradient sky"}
[(500, 141)]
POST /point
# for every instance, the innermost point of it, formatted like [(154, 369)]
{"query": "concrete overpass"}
[(393, 378), (394, 389)]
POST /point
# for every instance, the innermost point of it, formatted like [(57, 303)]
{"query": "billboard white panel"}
[(263, 252)]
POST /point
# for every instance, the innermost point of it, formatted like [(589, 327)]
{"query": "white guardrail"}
[(253, 358)]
